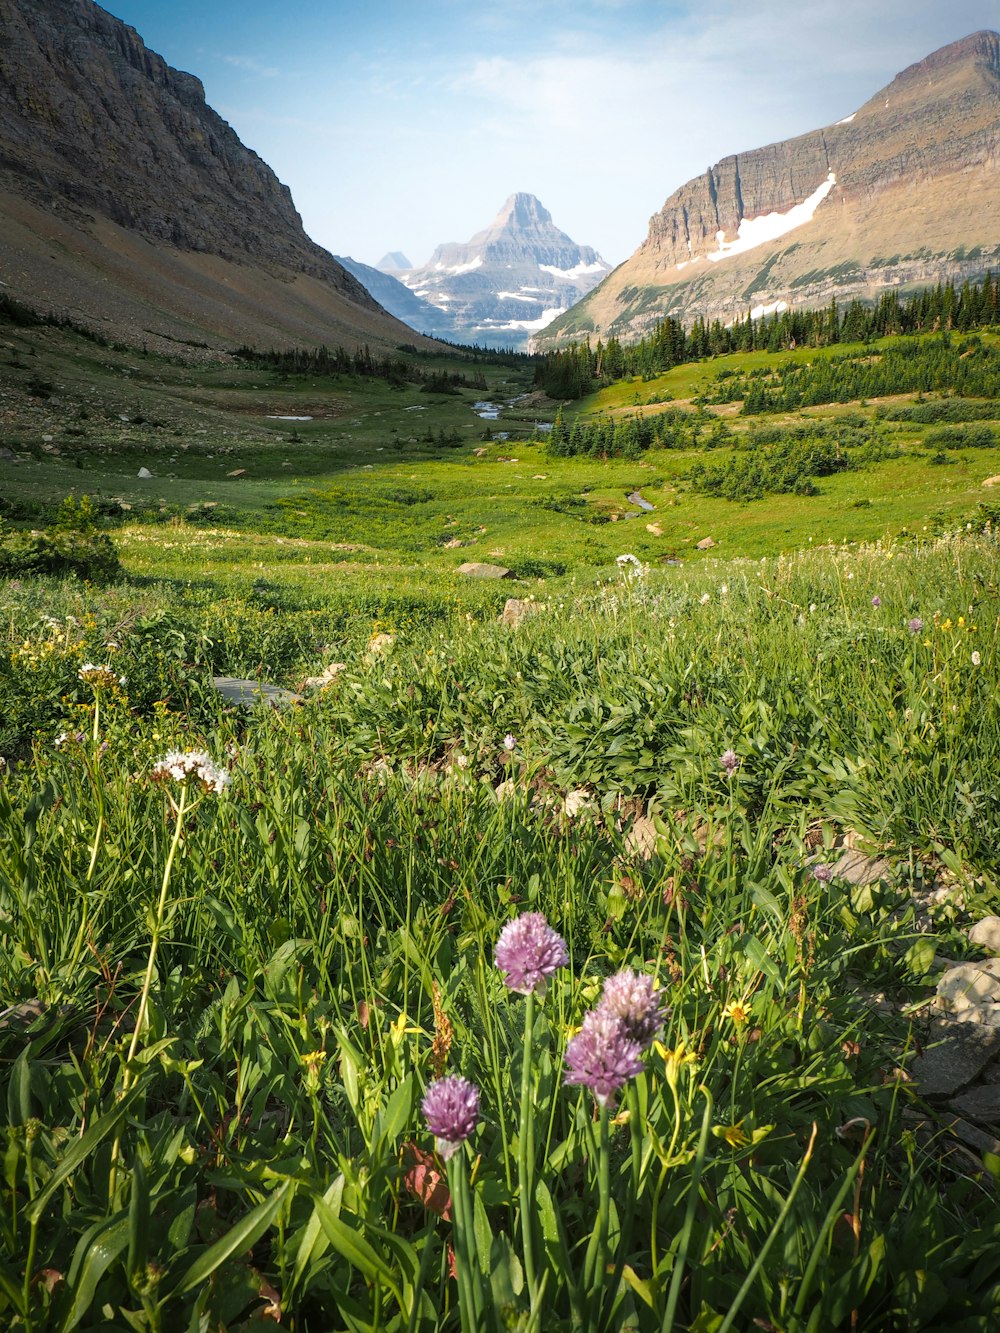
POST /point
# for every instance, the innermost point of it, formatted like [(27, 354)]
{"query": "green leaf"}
[(312, 1244), (138, 1220), (759, 958), (238, 1239), (96, 1250), (353, 1247), (391, 1122), (82, 1149)]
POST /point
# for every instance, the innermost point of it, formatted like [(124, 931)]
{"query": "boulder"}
[(517, 609), (144, 473), (249, 693), (475, 570), (986, 934), (705, 544), (971, 986), (954, 1054)]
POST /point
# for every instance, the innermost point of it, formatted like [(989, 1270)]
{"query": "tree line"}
[(584, 367)]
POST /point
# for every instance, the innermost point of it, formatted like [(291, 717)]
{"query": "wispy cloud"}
[(253, 66)]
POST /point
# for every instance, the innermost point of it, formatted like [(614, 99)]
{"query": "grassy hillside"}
[(243, 951)]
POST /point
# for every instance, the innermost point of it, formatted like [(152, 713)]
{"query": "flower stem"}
[(526, 1152), (140, 1018), (468, 1302), (596, 1262)]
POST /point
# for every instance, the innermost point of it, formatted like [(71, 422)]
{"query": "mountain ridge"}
[(113, 168), (900, 192), (509, 278)]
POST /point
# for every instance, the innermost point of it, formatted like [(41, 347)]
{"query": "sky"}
[(403, 124)]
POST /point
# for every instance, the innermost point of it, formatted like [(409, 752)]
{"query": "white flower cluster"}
[(99, 676), (631, 566), (182, 765)]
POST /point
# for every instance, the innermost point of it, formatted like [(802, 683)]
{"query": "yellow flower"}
[(737, 1137), (674, 1061), (734, 1135), (737, 1012)]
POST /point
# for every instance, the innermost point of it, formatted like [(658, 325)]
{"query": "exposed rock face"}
[(904, 191), (397, 298), (394, 262), (113, 154), (510, 279)]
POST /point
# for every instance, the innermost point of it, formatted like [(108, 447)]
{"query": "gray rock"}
[(982, 1103), (474, 570), (248, 693), (8, 456), (858, 869), (954, 1054), (986, 934), (145, 473)]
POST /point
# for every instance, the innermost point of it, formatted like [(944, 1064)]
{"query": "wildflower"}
[(723, 589), (313, 1061), (735, 1135), (876, 601), (99, 677), (705, 598), (528, 952), (509, 743), (631, 997), (823, 872), (451, 1109), (976, 658), (812, 605), (730, 761), (603, 1056), (184, 765), (630, 566), (675, 1060), (915, 625), (737, 1012)]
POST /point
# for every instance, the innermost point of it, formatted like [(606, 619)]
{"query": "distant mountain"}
[(510, 279), (394, 262), (905, 191), (393, 296), (127, 203)]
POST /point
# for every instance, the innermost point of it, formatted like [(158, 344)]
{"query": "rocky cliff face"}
[(904, 191), (102, 140), (510, 279)]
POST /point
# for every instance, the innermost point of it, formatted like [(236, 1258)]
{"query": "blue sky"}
[(400, 124)]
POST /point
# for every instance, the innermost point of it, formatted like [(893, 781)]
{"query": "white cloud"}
[(252, 66)]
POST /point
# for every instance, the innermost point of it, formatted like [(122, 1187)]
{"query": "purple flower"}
[(915, 625), (602, 1056), (632, 998), (528, 952), (451, 1109), (876, 601), (823, 872), (730, 761)]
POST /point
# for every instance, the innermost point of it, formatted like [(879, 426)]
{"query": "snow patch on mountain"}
[(771, 226)]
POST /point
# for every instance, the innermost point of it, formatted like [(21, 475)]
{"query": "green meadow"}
[(246, 953)]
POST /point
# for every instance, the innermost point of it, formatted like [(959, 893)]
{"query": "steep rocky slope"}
[(397, 298), (128, 203), (905, 191), (510, 279)]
